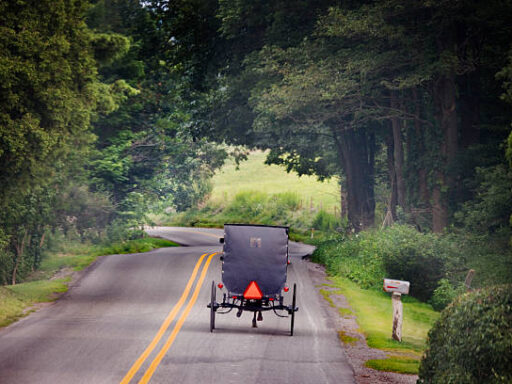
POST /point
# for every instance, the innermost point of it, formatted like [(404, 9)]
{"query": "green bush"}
[(357, 258), (472, 341), (416, 257), (324, 221), (398, 252), (248, 204), (444, 295), (249, 207)]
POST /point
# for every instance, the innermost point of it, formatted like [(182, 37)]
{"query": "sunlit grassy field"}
[(254, 175)]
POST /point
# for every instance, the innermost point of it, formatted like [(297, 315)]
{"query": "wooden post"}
[(312, 233), (398, 313), (469, 279)]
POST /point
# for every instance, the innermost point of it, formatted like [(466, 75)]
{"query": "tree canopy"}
[(110, 107)]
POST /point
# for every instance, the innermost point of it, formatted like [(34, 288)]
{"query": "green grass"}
[(347, 339), (256, 193), (255, 175), (395, 364), (345, 312), (374, 315), (327, 296), (15, 300), (79, 256)]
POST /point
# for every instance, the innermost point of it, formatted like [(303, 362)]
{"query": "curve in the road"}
[(119, 321)]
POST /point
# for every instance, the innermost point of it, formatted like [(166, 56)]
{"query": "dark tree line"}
[(329, 87), (92, 126), (110, 106)]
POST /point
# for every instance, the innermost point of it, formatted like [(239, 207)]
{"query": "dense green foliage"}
[(92, 127), (435, 265), (399, 252), (402, 101), (49, 92), (472, 341)]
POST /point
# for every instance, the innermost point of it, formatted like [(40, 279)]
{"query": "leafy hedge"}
[(398, 252), (472, 341)]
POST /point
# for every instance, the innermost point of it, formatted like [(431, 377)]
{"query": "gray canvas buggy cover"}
[(255, 253)]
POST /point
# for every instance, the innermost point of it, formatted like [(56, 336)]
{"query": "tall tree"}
[(146, 149), (49, 92)]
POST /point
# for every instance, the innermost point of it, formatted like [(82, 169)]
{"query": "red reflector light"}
[(234, 297), (289, 262), (271, 299), (253, 291), (220, 285), (286, 289)]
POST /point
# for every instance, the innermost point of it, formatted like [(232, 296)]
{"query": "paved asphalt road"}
[(122, 322)]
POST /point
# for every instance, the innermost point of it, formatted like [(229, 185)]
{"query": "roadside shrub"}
[(398, 252), (444, 295), (119, 231), (324, 221), (248, 204), (288, 201), (414, 256), (471, 343), (357, 258)]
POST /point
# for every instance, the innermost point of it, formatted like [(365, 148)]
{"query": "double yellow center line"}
[(167, 322)]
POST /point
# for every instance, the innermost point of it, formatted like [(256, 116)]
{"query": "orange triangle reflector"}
[(253, 292)]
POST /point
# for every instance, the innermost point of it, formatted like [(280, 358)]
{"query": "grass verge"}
[(16, 300), (374, 315), (395, 364)]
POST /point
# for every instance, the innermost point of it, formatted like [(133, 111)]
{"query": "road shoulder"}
[(354, 343)]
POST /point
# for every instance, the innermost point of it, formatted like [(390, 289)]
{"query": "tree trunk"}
[(391, 173), (398, 154), (439, 206), (20, 248), (423, 191), (356, 149), (444, 98), (344, 205), (470, 109)]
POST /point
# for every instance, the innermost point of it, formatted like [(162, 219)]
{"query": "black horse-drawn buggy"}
[(254, 265)]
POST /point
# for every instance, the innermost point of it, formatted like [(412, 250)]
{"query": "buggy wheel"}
[(212, 307), (293, 309)]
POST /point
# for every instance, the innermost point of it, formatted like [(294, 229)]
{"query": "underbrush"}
[(472, 341), (16, 300), (252, 207), (435, 265)]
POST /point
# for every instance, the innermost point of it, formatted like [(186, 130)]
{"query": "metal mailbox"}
[(397, 286)]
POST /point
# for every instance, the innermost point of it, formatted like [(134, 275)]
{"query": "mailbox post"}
[(397, 288)]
